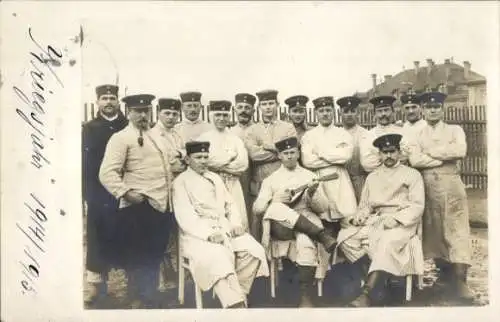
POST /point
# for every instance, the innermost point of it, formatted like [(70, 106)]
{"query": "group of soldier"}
[(232, 198)]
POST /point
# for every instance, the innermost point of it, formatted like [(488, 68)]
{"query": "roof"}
[(438, 75)]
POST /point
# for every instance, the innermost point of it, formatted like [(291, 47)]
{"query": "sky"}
[(309, 48)]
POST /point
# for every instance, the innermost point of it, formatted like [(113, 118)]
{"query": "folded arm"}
[(456, 149), (411, 212)]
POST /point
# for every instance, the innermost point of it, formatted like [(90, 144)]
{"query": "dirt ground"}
[(340, 286)]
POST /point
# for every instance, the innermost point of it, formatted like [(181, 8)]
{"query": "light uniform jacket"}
[(412, 130), (446, 219), (225, 146), (191, 130), (127, 165), (203, 206), (326, 150), (369, 154), (354, 167), (311, 208), (396, 192), (265, 162), (175, 145)]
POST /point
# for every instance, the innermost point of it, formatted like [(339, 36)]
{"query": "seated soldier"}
[(284, 219), (385, 225), (221, 254)]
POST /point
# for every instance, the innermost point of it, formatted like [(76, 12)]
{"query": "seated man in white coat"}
[(287, 221), (385, 225), (221, 254)]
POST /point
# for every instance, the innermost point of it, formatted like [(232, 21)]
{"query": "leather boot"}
[(445, 275), (462, 290), (306, 280), (365, 298), (319, 234)]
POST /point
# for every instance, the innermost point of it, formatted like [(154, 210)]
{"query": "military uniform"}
[(101, 205), (137, 160), (190, 130)]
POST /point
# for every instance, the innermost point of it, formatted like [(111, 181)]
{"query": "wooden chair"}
[(184, 265)]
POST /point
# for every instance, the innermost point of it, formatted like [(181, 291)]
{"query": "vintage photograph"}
[(285, 155)]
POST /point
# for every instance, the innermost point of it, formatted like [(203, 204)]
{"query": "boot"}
[(445, 275), (238, 305), (319, 234), (365, 298), (462, 290), (306, 280), (98, 292)]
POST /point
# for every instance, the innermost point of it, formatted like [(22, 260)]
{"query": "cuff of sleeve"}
[(182, 154), (121, 192)]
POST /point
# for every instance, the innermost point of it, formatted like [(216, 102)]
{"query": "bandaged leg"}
[(229, 291), (246, 269)]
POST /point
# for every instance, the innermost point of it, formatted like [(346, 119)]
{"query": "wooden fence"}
[(472, 119)]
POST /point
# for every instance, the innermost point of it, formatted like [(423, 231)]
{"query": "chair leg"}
[(182, 277), (420, 282), (198, 297), (273, 277), (408, 287), (320, 287), (278, 268)]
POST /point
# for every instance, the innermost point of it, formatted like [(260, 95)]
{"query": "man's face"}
[(198, 162), (108, 104), (268, 108), (168, 118), (297, 115), (413, 112), (191, 110), (289, 158), (325, 115), (140, 117), (384, 115), (349, 117), (244, 112), (389, 157), (433, 112), (220, 119)]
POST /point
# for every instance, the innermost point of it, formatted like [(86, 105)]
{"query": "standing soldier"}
[(297, 114), (350, 118), (228, 156), (259, 140), (192, 126), (446, 231), (325, 150), (414, 121), (169, 110), (101, 205), (136, 170), (244, 107), (384, 115)]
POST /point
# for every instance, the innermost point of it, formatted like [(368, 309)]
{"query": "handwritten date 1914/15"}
[(42, 66), (34, 246)]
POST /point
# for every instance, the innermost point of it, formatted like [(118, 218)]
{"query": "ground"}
[(340, 286)]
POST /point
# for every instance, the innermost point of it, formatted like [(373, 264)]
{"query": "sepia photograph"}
[(287, 158)]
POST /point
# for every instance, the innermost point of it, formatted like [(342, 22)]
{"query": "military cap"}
[(267, 95), (106, 89), (169, 104), (432, 98), (348, 102), (410, 99), (220, 106), (382, 101), (286, 144), (190, 97), (387, 141), (245, 98), (139, 100), (297, 101), (323, 101), (197, 146)]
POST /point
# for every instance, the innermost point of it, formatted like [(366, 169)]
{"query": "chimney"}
[(447, 68), (387, 77), (447, 61), (374, 81), (430, 65), (466, 69), (416, 63)]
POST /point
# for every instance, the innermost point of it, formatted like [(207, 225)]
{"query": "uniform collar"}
[(192, 122)]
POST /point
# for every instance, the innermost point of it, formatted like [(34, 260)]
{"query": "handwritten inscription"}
[(42, 66)]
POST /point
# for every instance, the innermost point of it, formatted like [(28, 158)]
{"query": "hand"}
[(237, 231), (390, 223), (134, 197), (358, 220), (269, 147), (312, 187), (216, 238), (282, 196), (176, 165)]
